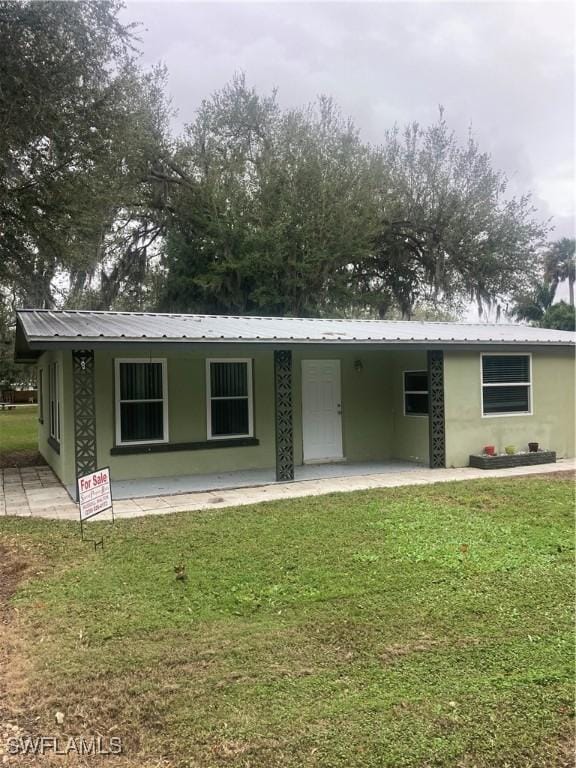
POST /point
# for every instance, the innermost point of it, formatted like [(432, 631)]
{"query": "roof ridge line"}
[(149, 313)]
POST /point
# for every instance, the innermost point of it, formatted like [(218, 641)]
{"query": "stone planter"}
[(515, 460)]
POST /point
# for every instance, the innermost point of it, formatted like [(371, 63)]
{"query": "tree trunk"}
[(571, 290), (383, 307)]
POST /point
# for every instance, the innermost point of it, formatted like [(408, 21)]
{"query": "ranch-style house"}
[(153, 395)]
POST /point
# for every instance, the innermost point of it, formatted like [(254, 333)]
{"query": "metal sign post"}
[(94, 497)]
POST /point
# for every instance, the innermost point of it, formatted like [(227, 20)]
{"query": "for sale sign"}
[(94, 493)]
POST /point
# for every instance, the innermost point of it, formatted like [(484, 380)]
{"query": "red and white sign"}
[(94, 493)]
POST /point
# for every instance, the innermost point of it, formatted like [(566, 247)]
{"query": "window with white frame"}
[(54, 400), (415, 393), (141, 401), (506, 384), (229, 398)]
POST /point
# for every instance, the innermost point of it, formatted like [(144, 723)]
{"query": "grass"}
[(394, 628), (19, 436)]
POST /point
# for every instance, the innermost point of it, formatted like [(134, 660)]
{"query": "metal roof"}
[(39, 329)]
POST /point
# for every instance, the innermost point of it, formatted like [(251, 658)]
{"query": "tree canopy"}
[(278, 207), (560, 264), (289, 212), (536, 305), (448, 231), (254, 208), (81, 127), (561, 316)]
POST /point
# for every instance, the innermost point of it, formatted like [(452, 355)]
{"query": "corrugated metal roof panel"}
[(43, 326)]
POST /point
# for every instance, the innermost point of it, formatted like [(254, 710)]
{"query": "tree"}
[(288, 212), (449, 233), (561, 316), (537, 305), (532, 306), (132, 211), (255, 210), (275, 208), (11, 373), (560, 264), (81, 130)]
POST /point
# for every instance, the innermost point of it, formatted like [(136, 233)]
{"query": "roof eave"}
[(30, 348), (23, 351)]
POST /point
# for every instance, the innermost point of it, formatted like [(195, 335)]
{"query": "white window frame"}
[(40, 384), (118, 361), (249, 397), (528, 384), (413, 392), (54, 429)]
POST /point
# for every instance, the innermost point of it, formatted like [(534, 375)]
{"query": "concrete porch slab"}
[(170, 486)]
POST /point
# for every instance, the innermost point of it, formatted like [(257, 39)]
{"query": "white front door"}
[(321, 410)]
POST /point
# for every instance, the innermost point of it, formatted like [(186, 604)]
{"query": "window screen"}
[(141, 393), (415, 393), (506, 384), (230, 398)]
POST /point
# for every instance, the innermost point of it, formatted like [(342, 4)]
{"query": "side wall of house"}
[(62, 460), (553, 415), (410, 435)]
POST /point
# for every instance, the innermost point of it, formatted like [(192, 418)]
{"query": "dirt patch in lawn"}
[(565, 747), (13, 668), (11, 572), (24, 458), (27, 709), (397, 651), (564, 474)]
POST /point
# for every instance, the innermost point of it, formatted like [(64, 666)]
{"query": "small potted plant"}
[(489, 450), (510, 450), (533, 447)]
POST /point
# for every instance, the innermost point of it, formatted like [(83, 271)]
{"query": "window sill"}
[(506, 415), (54, 444), (201, 445)]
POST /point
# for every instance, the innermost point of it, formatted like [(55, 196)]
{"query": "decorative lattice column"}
[(436, 418), (283, 408), (84, 411)]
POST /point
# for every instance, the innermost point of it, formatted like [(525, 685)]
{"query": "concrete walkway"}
[(36, 492)]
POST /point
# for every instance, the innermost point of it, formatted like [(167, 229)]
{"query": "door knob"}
[(339, 408)]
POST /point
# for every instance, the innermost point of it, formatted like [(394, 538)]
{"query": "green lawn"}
[(19, 436), (424, 626)]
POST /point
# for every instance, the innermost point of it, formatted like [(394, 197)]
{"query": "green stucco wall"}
[(62, 463), (551, 423), (410, 432), (367, 424), (367, 418), (373, 422), (186, 378)]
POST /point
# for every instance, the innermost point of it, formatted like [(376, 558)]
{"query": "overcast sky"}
[(505, 68)]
